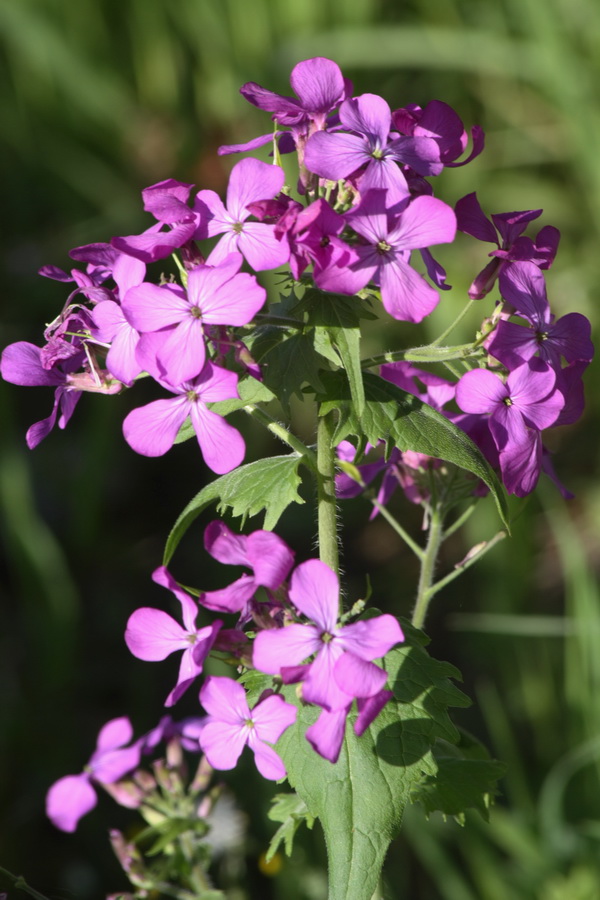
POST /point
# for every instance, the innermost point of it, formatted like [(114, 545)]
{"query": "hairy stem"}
[(283, 434), (327, 509), (19, 882)]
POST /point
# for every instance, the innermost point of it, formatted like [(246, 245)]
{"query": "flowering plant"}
[(340, 700)]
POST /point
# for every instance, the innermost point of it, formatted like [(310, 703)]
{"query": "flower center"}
[(238, 227), (248, 723), (507, 401), (191, 395), (541, 336), (326, 637), (383, 247), (196, 312)]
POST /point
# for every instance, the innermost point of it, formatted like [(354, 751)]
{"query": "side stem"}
[(428, 561)]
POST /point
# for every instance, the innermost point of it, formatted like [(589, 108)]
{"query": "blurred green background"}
[(100, 98)]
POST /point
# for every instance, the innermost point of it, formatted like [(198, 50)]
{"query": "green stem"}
[(451, 327), (428, 354), (283, 434), (474, 556), (19, 882), (327, 508), (428, 561), (282, 321)]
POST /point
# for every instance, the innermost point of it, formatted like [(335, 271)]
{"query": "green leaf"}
[(459, 784), (405, 422), (337, 328), (291, 364), (269, 484), (361, 799), (291, 811)]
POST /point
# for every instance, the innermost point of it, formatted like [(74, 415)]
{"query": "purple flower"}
[(326, 735), (167, 201), (319, 86), (231, 725), (262, 551), (250, 182), (216, 295), (522, 285), (512, 246), (343, 667), (153, 635), (439, 122), (335, 156), (151, 430), (73, 796)]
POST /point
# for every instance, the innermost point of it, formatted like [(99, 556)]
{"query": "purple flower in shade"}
[(522, 284), (384, 257), (167, 201), (250, 182), (73, 796), (342, 669), (336, 156), (231, 725), (216, 295), (111, 325), (262, 551), (151, 430), (153, 635), (439, 122), (319, 86), (507, 233), (518, 409), (313, 235)]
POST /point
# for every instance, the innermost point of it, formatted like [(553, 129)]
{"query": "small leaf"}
[(269, 484), (361, 799), (458, 785), (403, 421), (291, 811)]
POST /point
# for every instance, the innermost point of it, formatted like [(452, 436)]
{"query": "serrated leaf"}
[(458, 785), (405, 422), (291, 811), (269, 484), (361, 799), (290, 365)]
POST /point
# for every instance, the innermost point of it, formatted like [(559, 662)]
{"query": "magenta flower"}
[(343, 667), (231, 725), (214, 296), (73, 796), (151, 430), (384, 257), (250, 182), (326, 735), (262, 551), (439, 122), (113, 328), (153, 635)]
